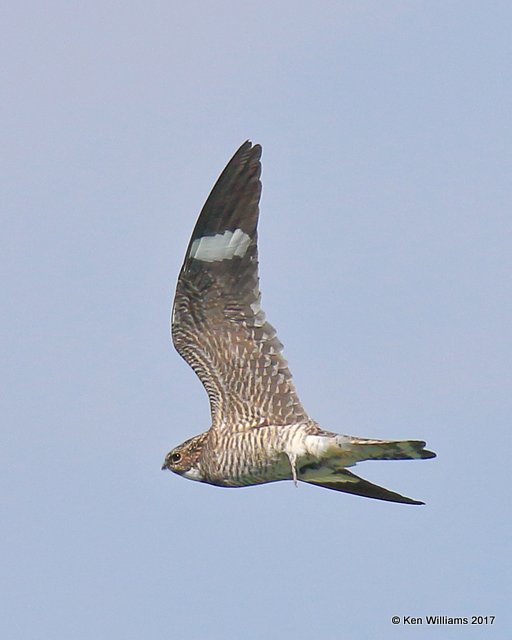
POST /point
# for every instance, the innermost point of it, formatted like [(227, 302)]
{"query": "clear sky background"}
[(386, 261)]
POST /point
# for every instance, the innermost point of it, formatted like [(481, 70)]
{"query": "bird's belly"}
[(242, 463)]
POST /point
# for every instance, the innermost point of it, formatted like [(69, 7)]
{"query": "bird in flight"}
[(260, 431)]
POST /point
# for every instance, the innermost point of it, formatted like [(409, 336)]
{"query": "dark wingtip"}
[(248, 147), (347, 482), (233, 201)]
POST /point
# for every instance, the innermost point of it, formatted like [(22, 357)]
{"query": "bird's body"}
[(246, 458), (260, 432)]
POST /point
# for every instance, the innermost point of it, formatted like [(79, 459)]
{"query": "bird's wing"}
[(347, 482), (218, 326)]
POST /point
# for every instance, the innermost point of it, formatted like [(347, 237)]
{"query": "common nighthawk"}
[(260, 431)]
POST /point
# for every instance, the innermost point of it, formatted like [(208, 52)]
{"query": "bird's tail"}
[(331, 453), (365, 449), (345, 451)]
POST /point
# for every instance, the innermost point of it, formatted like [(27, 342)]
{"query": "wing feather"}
[(218, 325), (347, 482)]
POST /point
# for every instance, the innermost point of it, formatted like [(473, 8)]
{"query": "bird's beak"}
[(164, 466)]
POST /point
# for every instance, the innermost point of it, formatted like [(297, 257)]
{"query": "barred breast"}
[(255, 456)]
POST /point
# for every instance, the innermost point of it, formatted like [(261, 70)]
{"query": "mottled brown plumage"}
[(260, 432)]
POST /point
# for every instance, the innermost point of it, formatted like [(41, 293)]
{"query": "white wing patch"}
[(222, 246)]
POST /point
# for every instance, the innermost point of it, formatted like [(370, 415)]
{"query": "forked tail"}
[(366, 449), (332, 453)]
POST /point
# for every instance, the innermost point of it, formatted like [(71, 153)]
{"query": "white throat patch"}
[(222, 246), (193, 474)]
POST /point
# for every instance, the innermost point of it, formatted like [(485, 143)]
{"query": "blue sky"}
[(385, 248)]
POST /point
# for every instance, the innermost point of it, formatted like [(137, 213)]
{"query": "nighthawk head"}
[(184, 459)]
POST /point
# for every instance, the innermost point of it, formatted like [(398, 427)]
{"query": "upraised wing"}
[(218, 326)]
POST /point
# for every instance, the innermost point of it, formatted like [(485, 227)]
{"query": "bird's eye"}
[(176, 457)]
